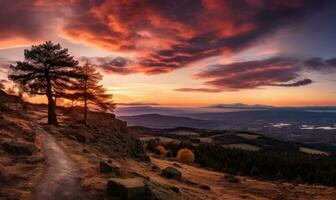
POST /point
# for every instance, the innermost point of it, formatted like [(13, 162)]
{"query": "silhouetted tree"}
[(46, 68), (91, 92)]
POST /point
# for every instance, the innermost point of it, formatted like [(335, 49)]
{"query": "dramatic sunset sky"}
[(188, 52)]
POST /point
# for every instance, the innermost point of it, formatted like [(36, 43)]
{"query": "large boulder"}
[(126, 189), (16, 148), (171, 172)]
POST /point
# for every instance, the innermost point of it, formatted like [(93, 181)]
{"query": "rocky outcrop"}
[(126, 189), (171, 172), (107, 134), (79, 133), (16, 148)]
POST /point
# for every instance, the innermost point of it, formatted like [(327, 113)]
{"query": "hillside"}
[(89, 160)]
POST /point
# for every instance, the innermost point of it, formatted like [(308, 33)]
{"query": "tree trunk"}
[(52, 119), (85, 109), (85, 96)]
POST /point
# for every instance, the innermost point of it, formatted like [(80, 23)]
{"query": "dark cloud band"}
[(276, 71)]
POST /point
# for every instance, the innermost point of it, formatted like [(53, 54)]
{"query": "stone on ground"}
[(127, 189), (171, 172), (16, 148)]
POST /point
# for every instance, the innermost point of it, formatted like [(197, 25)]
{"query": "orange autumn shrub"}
[(160, 150), (185, 155)]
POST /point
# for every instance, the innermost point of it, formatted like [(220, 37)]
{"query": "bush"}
[(160, 150), (185, 156)]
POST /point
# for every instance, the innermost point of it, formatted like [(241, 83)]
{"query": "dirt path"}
[(61, 178)]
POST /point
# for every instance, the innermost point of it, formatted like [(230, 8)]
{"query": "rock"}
[(34, 161), (108, 167), (175, 189), (231, 179), (86, 151), (126, 189), (154, 167), (3, 174), (160, 191), (79, 133), (205, 187), (140, 175), (29, 136), (190, 182), (177, 165), (16, 148), (171, 172)]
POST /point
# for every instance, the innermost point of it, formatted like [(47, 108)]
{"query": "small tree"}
[(91, 92), (46, 68), (161, 150)]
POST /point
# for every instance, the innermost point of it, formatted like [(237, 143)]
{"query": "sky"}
[(187, 52)]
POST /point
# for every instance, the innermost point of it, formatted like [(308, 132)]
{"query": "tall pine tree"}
[(47, 69), (90, 92)]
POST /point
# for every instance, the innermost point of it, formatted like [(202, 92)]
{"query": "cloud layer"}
[(275, 71), (168, 35), (112, 65), (162, 35)]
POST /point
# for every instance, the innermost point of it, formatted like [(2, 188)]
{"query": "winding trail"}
[(61, 179)]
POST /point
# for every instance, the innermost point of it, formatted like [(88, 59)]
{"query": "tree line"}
[(49, 70), (268, 165)]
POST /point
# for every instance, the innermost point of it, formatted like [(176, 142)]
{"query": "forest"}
[(264, 165)]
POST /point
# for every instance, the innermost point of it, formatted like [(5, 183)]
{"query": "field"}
[(313, 151), (246, 147)]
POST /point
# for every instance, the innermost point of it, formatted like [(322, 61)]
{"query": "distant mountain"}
[(240, 105), (141, 109), (220, 120), (165, 121)]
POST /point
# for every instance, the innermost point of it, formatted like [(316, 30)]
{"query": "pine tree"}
[(91, 92), (46, 69)]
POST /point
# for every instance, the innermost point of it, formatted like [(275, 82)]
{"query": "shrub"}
[(160, 150), (185, 156)]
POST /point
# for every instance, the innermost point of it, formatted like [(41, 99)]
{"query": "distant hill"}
[(268, 115), (165, 121), (219, 120)]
